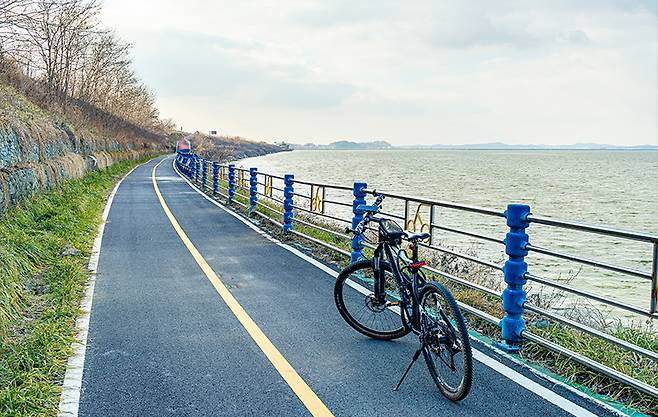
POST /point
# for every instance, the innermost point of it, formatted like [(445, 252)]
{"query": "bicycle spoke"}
[(368, 311), (448, 354)]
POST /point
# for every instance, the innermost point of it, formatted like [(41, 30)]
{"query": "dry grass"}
[(620, 359), (225, 148), (40, 290)]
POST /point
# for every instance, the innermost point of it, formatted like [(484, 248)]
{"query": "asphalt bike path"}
[(163, 341)]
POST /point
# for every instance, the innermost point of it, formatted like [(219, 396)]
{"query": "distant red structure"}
[(183, 146)]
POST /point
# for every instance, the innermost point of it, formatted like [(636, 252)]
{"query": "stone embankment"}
[(38, 151)]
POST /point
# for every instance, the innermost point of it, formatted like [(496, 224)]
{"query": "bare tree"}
[(73, 61), (58, 33), (14, 18)]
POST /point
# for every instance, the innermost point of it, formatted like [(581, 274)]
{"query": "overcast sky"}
[(409, 72)]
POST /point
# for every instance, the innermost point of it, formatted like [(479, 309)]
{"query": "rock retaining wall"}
[(38, 156)]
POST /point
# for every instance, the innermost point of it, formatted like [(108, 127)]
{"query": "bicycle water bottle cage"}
[(366, 208)]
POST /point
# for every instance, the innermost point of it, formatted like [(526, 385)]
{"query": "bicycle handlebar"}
[(370, 210)]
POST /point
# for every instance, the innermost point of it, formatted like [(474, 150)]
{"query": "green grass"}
[(40, 290), (637, 366), (617, 358)]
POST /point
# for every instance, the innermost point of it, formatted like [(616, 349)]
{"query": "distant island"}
[(382, 144)]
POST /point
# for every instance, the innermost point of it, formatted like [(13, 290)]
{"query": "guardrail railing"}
[(328, 208)]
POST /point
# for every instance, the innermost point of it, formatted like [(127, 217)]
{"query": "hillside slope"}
[(224, 148), (39, 150)]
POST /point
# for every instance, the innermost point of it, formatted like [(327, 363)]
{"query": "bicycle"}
[(370, 291)]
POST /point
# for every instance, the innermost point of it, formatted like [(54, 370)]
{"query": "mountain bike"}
[(388, 296)]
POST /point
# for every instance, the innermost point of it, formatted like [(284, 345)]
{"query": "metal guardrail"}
[(324, 207)]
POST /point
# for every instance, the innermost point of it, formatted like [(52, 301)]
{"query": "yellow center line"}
[(310, 400)]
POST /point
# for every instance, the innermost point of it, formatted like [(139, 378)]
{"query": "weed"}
[(40, 290), (611, 355)]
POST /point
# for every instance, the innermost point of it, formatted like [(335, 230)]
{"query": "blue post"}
[(253, 189), (357, 241), (288, 191), (215, 177), (514, 296), (204, 174), (231, 182), (197, 169)]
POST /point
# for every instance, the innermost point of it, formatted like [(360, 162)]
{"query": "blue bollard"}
[(514, 296), (253, 189), (288, 192), (357, 241), (231, 183), (204, 174), (197, 170), (215, 177)]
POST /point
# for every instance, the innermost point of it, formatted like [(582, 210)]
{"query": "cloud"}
[(338, 13), (184, 63), (469, 25), (552, 71), (306, 95), (573, 36)]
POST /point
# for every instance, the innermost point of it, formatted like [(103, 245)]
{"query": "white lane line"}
[(70, 399), (499, 367), (531, 385)]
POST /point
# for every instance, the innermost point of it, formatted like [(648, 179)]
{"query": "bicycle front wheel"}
[(448, 352), (355, 299)]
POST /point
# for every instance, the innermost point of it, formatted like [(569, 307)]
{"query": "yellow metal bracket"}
[(268, 185), (417, 224), (317, 199)]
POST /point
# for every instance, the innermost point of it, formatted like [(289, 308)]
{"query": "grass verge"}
[(613, 356), (41, 286)]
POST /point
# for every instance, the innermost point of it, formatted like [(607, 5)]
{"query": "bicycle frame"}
[(436, 332), (406, 284)]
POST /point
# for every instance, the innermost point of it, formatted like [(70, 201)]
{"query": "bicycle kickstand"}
[(415, 358)]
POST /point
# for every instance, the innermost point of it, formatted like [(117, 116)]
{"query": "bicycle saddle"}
[(414, 237)]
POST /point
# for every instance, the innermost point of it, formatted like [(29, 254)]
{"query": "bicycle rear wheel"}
[(448, 353), (355, 300)]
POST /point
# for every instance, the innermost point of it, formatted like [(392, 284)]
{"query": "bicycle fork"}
[(380, 279)]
